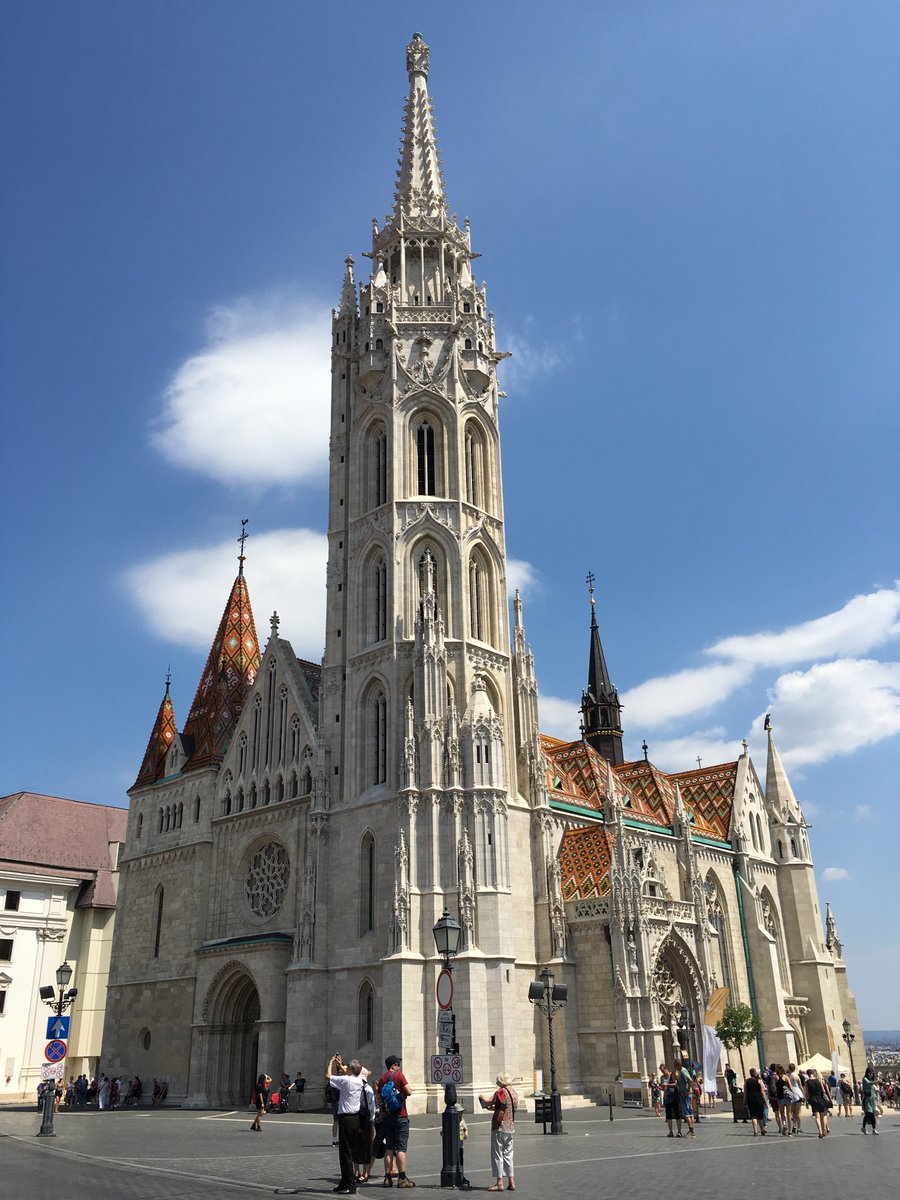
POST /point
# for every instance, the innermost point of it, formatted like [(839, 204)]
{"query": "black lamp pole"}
[(549, 997), (59, 1004), (447, 933), (850, 1038)]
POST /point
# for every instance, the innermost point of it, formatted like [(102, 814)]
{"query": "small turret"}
[(162, 736)]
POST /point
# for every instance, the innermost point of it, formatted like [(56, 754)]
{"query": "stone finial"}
[(274, 622), (417, 56)]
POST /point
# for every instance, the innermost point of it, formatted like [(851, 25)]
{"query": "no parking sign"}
[(446, 1068)]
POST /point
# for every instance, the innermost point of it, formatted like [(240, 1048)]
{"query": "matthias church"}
[(291, 845)]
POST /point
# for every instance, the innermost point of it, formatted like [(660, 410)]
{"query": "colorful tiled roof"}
[(227, 677), (584, 858), (161, 737), (708, 793), (312, 673)]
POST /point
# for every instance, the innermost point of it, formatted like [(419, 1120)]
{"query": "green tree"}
[(738, 1027)]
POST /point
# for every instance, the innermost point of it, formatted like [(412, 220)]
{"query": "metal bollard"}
[(609, 1095)]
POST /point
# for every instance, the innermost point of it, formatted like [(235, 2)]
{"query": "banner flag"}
[(712, 1056)]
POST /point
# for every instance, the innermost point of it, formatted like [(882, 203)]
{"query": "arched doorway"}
[(678, 992), (233, 1038)]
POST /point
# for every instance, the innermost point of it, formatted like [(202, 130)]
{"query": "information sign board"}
[(52, 1070), (446, 1068)]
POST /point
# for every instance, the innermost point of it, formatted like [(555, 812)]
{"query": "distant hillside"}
[(882, 1035)]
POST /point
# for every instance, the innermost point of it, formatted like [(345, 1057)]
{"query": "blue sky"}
[(687, 215)]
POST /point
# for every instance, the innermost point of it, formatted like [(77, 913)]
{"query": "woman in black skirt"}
[(819, 1101)]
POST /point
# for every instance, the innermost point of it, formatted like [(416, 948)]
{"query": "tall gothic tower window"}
[(376, 741), (426, 480), (474, 460), (377, 601), (480, 599), (376, 483), (367, 884), (157, 933)]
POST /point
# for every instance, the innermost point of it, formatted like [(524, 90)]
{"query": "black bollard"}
[(609, 1095)]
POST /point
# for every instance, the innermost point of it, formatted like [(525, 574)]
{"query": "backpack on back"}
[(391, 1096)]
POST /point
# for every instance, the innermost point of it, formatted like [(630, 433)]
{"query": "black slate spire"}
[(601, 711)]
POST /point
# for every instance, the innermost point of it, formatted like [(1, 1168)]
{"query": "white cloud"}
[(835, 874), (559, 718), (521, 575), (835, 708), (285, 570), (670, 698), (863, 810), (863, 623), (253, 406)]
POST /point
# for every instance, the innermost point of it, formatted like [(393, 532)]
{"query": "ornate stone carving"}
[(268, 872)]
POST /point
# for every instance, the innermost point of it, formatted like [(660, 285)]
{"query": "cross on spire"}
[(242, 539), (589, 580)]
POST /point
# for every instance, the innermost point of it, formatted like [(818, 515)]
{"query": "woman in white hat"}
[(503, 1104)]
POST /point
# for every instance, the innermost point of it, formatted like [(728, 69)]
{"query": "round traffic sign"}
[(55, 1051), (444, 988)]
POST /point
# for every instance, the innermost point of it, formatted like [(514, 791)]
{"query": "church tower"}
[(601, 711), (417, 715)]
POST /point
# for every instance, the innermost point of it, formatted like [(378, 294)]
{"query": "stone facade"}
[(290, 851)]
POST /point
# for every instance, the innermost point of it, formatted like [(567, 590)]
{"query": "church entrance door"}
[(232, 1062)]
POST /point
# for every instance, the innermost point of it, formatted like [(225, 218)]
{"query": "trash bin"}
[(738, 1107)]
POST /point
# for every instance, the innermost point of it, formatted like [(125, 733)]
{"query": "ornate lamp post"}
[(447, 933), (850, 1038), (59, 1004), (548, 997)]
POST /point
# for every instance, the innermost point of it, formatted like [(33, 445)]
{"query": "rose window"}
[(267, 878)]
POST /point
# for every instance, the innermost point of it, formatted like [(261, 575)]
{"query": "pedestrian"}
[(503, 1105), (754, 1098), (655, 1093), (103, 1092), (783, 1095), (364, 1155), (819, 1098), (670, 1100), (869, 1099), (846, 1094), (259, 1100), (393, 1089), (114, 1091), (350, 1090), (796, 1089), (686, 1099), (299, 1087)]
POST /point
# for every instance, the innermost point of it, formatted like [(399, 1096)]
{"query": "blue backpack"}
[(391, 1097)]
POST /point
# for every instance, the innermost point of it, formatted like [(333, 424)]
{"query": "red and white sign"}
[(444, 988), (446, 1068), (52, 1070)]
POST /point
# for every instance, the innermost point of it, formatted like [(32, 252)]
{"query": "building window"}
[(474, 464), (366, 1022), (11, 901), (427, 485), (295, 738), (377, 772), (307, 783), (2, 1001), (378, 599), (226, 805), (282, 723), (6, 948), (376, 461), (140, 823), (196, 809), (367, 884), (242, 754), (160, 896)]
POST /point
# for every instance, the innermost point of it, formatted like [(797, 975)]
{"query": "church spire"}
[(161, 737), (420, 184), (227, 677), (600, 707), (348, 291), (780, 798)]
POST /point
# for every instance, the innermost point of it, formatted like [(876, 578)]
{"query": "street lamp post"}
[(59, 1004), (850, 1038), (548, 997), (447, 933)]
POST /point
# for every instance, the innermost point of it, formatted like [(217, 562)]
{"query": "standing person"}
[(350, 1100), (754, 1098), (393, 1089), (299, 1087), (796, 1089), (670, 1100), (364, 1157), (782, 1093), (819, 1100), (869, 1099), (260, 1100), (846, 1094), (503, 1104), (103, 1092), (114, 1092), (686, 1099), (655, 1093)]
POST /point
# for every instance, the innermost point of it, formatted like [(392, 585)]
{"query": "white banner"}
[(712, 1057)]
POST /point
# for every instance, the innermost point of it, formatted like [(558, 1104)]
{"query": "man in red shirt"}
[(395, 1125)]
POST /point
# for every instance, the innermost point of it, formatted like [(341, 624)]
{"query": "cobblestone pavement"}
[(170, 1154)]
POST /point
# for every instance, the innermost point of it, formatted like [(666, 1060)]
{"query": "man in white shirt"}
[(350, 1087)]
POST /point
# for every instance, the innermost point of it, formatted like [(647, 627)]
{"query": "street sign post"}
[(55, 1051), (446, 1068), (58, 1027), (55, 1070), (444, 988), (445, 1028)]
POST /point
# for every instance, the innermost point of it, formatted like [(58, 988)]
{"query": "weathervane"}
[(589, 580), (242, 539)]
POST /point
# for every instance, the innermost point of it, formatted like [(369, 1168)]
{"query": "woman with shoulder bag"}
[(797, 1096), (819, 1101)]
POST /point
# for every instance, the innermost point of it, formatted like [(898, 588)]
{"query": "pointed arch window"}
[(378, 601), (425, 459), (377, 739), (376, 464), (282, 723), (239, 807), (306, 786), (140, 823), (226, 805), (366, 1015), (257, 722), (294, 784), (295, 738), (196, 809), (242, 754), (474, 463), (367, 884), (158, 918), (480, 598)]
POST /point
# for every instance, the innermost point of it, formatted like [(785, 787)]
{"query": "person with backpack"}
[(685, 1099), (393, 1089), (503, 1105), (670, 1100)]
